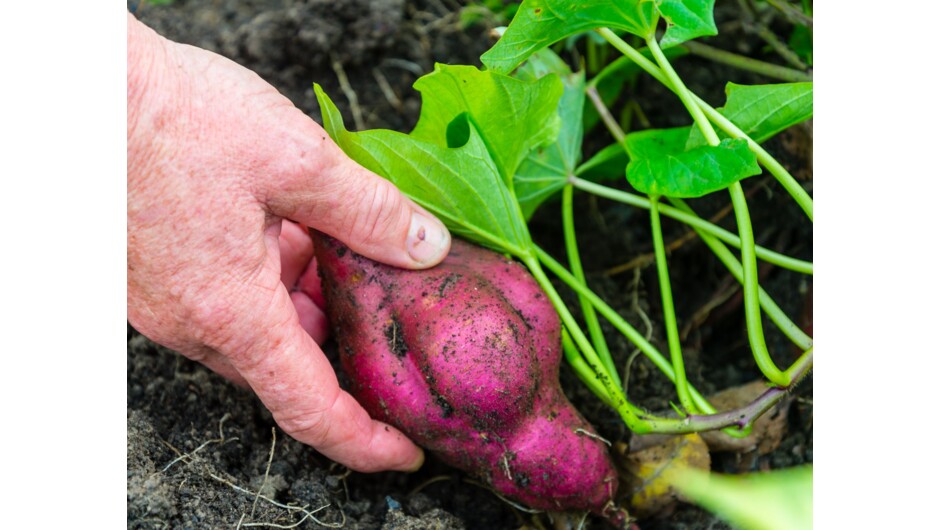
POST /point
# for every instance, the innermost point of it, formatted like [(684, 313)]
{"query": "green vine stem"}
[(693, 220), (801, 367), (631, 415), (669, 309), (606, 116), (574, 261), (637, 420), (771, 309), (581, 368), (778, 171), (641, 423), (742, 417), (620, 324), (752, 313), (679, 88), (741, 62), (715, 237)]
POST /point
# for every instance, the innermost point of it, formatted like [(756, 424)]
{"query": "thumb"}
[(330, 192)]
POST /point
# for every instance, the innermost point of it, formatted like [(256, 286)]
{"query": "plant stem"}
[(693, 220), (778, 171), (622, 325), (581, 368), (574, 261), (714, 237), (801, 367), (631, 415), (755, 330), (606, 116), (743, 416), (680, 90), (669, 310), (773, 311), (623, 47), (774, 71), (637, 420), (642, 423)]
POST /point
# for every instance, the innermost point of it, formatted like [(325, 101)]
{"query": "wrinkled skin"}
[(224, 175), (464, 359)]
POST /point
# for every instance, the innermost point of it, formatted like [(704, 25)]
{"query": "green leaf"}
[(657, 143), (546, 169), (686, 20), (606, 164), (511, 116), (775, 500), (762, 111), (541, 23), (765, 110), (462, 185), (659, 165), (542, 63)]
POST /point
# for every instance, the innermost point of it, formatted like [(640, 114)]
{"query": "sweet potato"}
[(464, 359)]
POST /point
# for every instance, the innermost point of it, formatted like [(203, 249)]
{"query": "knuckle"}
[(212, 317), (313, 427), (217, 318), (377, 212)]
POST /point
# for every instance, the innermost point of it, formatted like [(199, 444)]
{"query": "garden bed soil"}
[(199, 449)]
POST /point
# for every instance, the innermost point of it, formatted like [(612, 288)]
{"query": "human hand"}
[(217, 160)]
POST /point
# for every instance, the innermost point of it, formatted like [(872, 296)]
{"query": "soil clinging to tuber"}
[(464, 359)]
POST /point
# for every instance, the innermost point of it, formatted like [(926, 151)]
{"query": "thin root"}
[(426, 483), (307, 514), (188, 456), (503, 498), (267, 470), (505, 463), (589, 434)]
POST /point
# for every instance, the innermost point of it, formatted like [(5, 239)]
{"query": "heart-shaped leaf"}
[(541, 23), (762, 111), (659, 164)]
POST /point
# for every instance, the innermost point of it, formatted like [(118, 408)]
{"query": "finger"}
[(295, 381), (311, 316), (332, 193), (296, 251), (309, 284)]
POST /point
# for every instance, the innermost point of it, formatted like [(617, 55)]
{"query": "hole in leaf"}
[(458, 131)]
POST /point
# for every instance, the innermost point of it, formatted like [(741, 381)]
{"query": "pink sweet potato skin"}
[(464, 359)]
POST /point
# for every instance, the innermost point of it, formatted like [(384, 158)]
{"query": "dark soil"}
[(199, 448)]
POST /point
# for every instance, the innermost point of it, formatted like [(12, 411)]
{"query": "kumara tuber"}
[(464, 359)]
